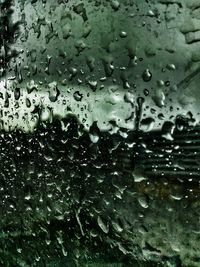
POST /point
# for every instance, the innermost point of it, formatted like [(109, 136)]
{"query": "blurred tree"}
[(8, 34)]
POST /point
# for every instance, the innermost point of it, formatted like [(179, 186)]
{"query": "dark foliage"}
[(8, 34)]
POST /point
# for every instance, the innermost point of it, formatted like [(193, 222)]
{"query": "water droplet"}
[(143, 201), (147, 75), (78, 96), (104, 227), (115, 4)]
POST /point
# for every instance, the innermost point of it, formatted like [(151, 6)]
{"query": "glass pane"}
[(99, 133)]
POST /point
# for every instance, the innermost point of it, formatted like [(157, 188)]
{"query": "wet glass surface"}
[(99, 133)]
